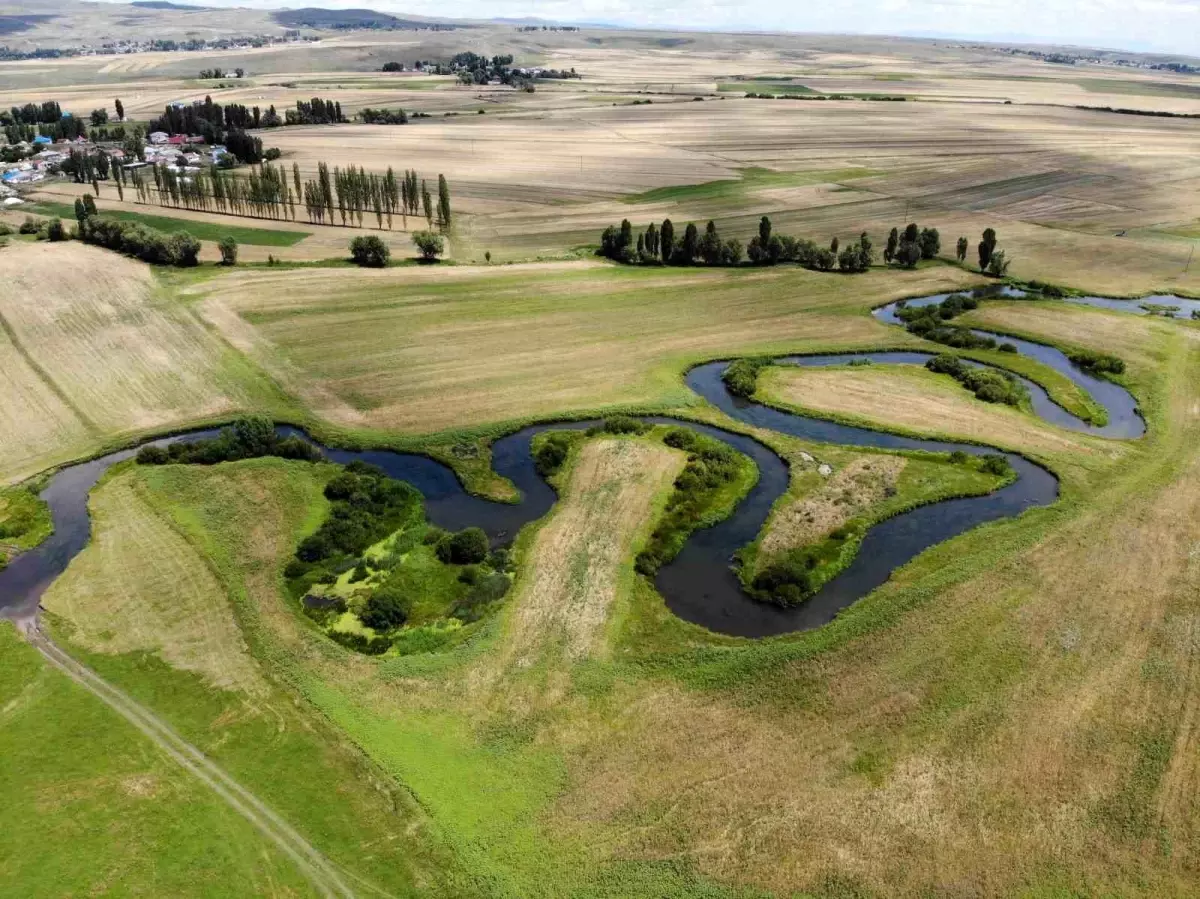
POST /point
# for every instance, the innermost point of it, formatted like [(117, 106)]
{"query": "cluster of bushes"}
[(619, 424), (486, 589), (367, 505), (931, 323), (467, 547), (711, 466), (657, 245), (246, 438), (1098, 363), (552, 452), (135, 239), (988, 384), (369, 251), (915, 243), (741, 375), (796, 576)]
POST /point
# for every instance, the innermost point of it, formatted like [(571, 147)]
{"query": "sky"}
[(1144, 25)]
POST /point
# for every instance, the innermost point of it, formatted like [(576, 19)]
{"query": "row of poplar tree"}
[(345, 196)]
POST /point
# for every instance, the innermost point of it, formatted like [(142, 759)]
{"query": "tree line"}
[(661, 245), (212, 120), (269, 191)]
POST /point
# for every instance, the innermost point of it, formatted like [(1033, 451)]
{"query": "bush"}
[(30, 225), (134, 239), (272, 154), (370, 251), (5, 230), (741, 375), (55, 231), (467, 547), (620, 424), (1007, 347), (486, 590), (229, 251), (153, 455), (431, 245), (551, 454), (385, 610), (994, 463), (372, 646), (958, 457), (1099, 363), (185, 249)]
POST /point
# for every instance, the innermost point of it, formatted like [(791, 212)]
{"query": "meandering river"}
[(699, 585)]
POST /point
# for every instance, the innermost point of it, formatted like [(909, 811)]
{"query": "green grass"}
[(212, 231), (91, 806), (24, 520), (738, 188)]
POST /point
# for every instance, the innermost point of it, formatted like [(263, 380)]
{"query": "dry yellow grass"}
[(93, 351), (581, 558), (168, 601), (848, 492), (429, 349), (910, 397)]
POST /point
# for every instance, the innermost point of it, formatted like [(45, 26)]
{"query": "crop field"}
[(520, 712), (523, 341), (98, 355)]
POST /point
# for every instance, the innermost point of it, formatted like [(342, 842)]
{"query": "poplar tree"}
[(443, 203), (427, 203)]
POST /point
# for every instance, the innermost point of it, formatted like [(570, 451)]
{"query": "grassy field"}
[(210, 231), (78, 775), (180, 652), (92, 352), (426, 350), (676, 762)]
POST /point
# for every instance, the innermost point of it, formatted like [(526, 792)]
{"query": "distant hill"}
[(13, 24), (316, 17), (165, 4)]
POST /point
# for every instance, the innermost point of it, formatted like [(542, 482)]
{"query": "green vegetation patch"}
[(751, 179), (212, 231), (24, 521)]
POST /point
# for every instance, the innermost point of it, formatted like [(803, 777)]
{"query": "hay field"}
[(911, 398), (94, 351), (584, 552), (428, 349)]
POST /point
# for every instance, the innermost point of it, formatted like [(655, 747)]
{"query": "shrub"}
[(55, 231), (1007, 347), (184, 249), (431, 245), (229, 251), (1098, 362), (994, 463), (741, 375), (620, 424), (153, 455), (30, 225), (370, 251), (5, 230), (486, 590), (958, 457), (271, 154), (551, 454), (372, 646), (385, 610), (467, 547)]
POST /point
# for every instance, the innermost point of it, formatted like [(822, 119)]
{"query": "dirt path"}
[(316, 867)]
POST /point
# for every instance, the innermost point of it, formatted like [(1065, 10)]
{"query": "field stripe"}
[(44, 375)]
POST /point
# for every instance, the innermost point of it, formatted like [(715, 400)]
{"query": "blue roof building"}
[(42, 139)]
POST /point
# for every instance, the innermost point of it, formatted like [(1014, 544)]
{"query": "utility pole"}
[(1189, 262)]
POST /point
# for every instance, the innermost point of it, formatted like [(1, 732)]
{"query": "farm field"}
[(654, 612)]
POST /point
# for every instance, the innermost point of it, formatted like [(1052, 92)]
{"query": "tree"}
[(120, 107), (55, 230), (89, 205), (764, 231), (99, 117), (998, 264), (833, 246), (80, 210), (184, 249), (430, 244), (229, 251), (443, 203), (961, 249), (911, 232), (986, 247), (689, 247), (909, 254), (893, 244), (370, 251), (930, 242), (667, 240), (385, 610), (467, 547), (427, 203), (731, 252), (625, 237), (710, 245)]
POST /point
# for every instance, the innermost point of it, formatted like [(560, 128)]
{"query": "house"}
[(176, 140), (159, 137), (42, 140), (192, 158), (197, 139)]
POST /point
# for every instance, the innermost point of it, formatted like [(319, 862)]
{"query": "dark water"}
[(698, 585)]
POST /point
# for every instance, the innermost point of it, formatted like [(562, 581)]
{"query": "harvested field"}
[(168, 603), (94, 351), (911, 398), (582, 557), (428, 349)]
